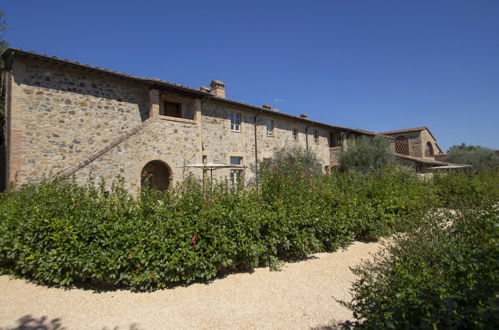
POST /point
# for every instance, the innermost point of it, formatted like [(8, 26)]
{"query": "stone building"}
[(65, 118), (416, 147)]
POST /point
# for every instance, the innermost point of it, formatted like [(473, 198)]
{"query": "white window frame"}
[(235, 175), (235, 121)]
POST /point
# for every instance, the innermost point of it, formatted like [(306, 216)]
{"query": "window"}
[(316, 136), (171, 109), (333, 141), (402, 145), (428, 152), (235, 176), (270, 127), (295, 134), (205, 159), (235, 122), (236, 160)]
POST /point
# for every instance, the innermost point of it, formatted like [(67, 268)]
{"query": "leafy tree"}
[(366, 154), (3, 46), (479, 157), (290, 160), (3, 43)]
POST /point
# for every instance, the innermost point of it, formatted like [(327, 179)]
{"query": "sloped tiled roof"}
[(163, 83), (421, 160), (408, 130)]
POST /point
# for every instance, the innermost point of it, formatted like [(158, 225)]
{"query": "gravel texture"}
[(299, 296)]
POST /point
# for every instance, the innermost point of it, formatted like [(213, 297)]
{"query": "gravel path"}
[(299, 296)]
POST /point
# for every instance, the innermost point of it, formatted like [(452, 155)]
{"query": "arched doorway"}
[(402, 145), (156, 174), (428, 152)]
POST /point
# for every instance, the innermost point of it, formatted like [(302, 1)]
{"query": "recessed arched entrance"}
[(156, 174)]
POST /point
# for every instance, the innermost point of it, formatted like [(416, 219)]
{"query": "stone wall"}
[(174, 142), (59, 115), (416, 148), (92, 124), (220, 143), (425, 138)]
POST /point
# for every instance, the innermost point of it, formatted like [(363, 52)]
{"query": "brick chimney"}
[(218, 88)]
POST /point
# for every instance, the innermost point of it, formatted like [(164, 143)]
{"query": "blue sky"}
[(376, 65)]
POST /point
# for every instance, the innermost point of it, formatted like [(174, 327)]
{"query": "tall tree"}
[(479, 157), (3, 43), (366, 154)]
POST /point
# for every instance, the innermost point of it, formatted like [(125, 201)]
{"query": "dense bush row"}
[(442, 273), (60, 233)]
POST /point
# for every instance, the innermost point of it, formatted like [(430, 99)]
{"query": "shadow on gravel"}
[(29, 322)]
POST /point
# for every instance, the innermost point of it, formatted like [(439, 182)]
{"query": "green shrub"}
[(441, 273), (63, 234), (479, 189)]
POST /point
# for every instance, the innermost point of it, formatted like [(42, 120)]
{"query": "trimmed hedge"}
[(59, 233)]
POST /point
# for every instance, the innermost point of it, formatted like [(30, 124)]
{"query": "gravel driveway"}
[(299, 296)]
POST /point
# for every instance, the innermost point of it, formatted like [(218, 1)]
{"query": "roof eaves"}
[(167, 84), (151, 81), (282, 114)]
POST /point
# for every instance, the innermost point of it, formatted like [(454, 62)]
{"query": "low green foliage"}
[(367, 154), (441, 273), (63, 234)]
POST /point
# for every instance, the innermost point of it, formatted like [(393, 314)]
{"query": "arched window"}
[(402, 145), (156, 174), (428, 152)]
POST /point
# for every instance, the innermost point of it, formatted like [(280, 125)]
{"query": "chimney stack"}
[(304, 116), (266, 107), (218, 88)]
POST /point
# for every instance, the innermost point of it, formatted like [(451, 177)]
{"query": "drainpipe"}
[(256, 151), (306, 136)]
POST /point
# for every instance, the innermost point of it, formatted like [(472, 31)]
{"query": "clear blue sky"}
[(376, 65)]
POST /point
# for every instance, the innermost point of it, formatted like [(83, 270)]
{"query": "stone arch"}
[(157, 174), (429, 151), (402, 145)]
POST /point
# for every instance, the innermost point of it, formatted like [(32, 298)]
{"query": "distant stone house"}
[(65, 118), (416, 147)]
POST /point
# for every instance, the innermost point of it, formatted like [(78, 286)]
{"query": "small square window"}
[(171, 109), (316, 136), (235, 122), (270, 127), (295, 134), (236, 160)]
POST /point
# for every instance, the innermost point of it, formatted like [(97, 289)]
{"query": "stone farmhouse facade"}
[(416, 147), (64, 118)]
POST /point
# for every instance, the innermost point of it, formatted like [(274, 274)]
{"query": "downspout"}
[(256, 151), (306, 136), (7, 86)]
